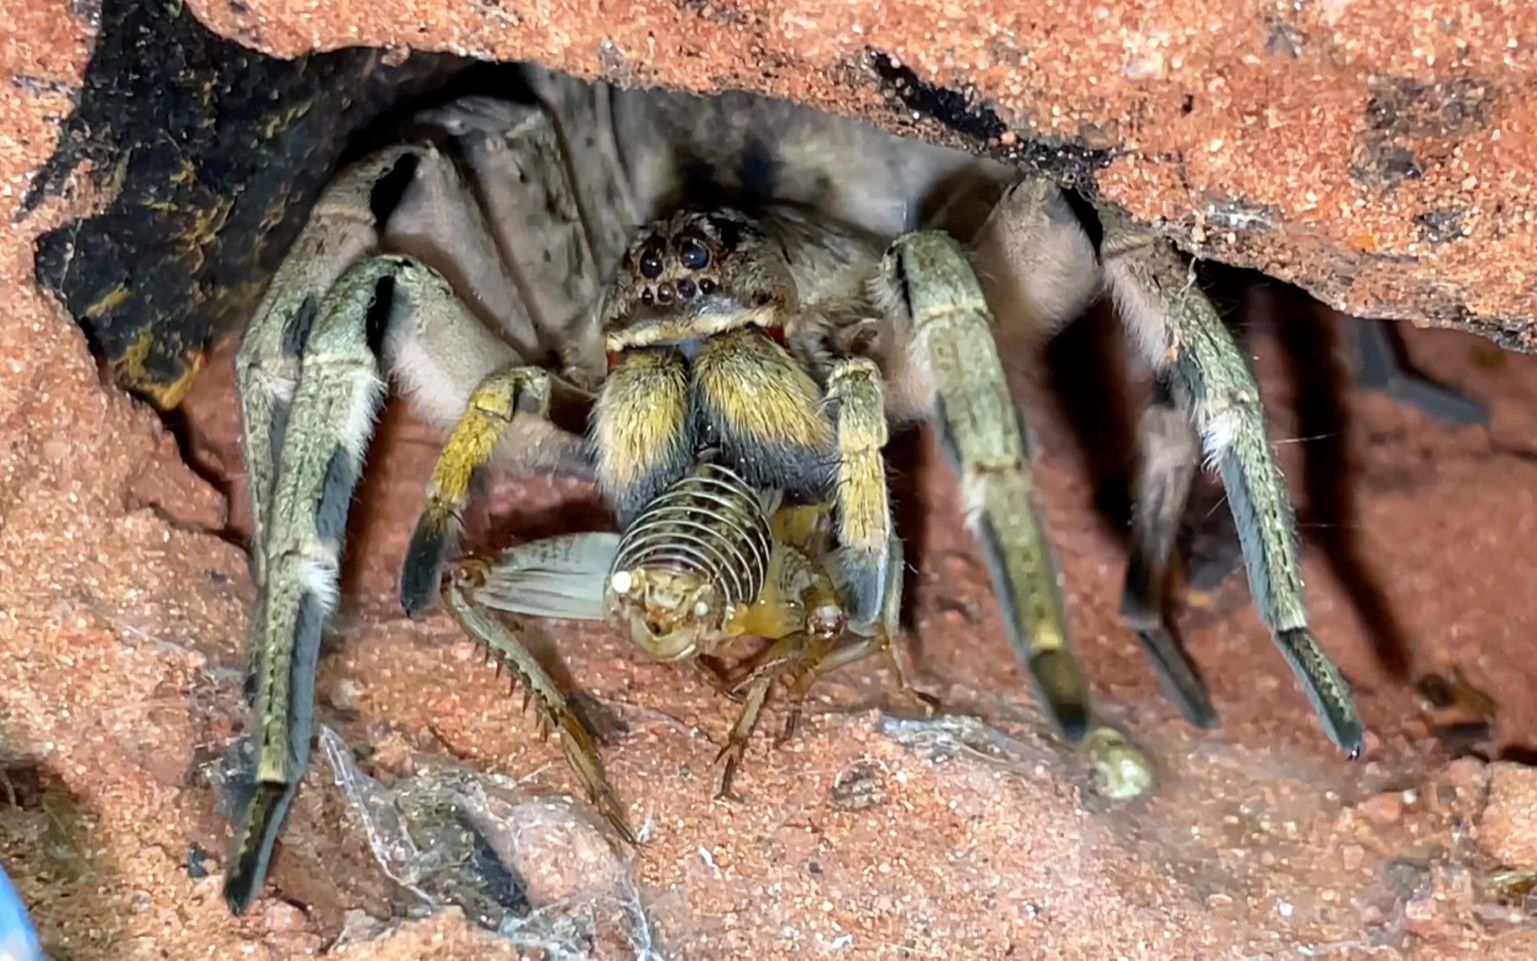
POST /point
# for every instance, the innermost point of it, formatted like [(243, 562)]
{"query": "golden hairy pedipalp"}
[(642, 428), (495, 403), (764, 411)]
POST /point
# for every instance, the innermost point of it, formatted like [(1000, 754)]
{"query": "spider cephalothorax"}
[(788, 338), (711, 368)]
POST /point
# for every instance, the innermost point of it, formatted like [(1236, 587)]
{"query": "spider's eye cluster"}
[(664, 253), (692, 254), (651, 263)]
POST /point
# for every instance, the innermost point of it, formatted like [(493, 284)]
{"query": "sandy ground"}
[(123, 605)]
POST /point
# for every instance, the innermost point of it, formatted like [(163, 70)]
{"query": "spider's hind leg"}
[(1183, 339), (927, 285), (1168, 454)]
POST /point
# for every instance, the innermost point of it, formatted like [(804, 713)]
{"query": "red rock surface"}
[(122, 610), (1374, 152)]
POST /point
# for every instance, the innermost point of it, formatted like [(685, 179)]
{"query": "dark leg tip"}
[(1177, 675), (1326, 689), (1347, 732), (255, 839), (239, 895), (422, 571), (1064, 692)]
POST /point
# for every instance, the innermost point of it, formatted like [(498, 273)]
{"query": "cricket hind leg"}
[(553, 709)]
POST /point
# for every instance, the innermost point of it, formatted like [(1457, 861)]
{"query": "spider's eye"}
[(693, 254), (650, 263)]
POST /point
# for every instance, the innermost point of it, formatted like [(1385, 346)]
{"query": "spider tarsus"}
[(422, 571), (1064, 691), (1326, 689), (252, 847), (1178, 676)]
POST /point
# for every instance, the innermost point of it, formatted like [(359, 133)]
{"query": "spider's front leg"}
[(1044, 272), (305, 444), (308, 373), (1184, 340), (857, 404), (504, 404), (342, 229), (317, 451), (312, 442), (309, 383), (927, 286)]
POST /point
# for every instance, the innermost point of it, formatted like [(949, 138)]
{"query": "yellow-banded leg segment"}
[(330, 423), (501, 397), (1168, 455), (554, 712), (1184, 339), (857, 403), (928, 284), (341, 230)]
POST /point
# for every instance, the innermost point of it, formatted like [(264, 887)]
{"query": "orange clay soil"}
[(123, 607), (124, 613)]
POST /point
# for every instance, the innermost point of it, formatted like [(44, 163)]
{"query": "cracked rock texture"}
[(1378, 153)]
